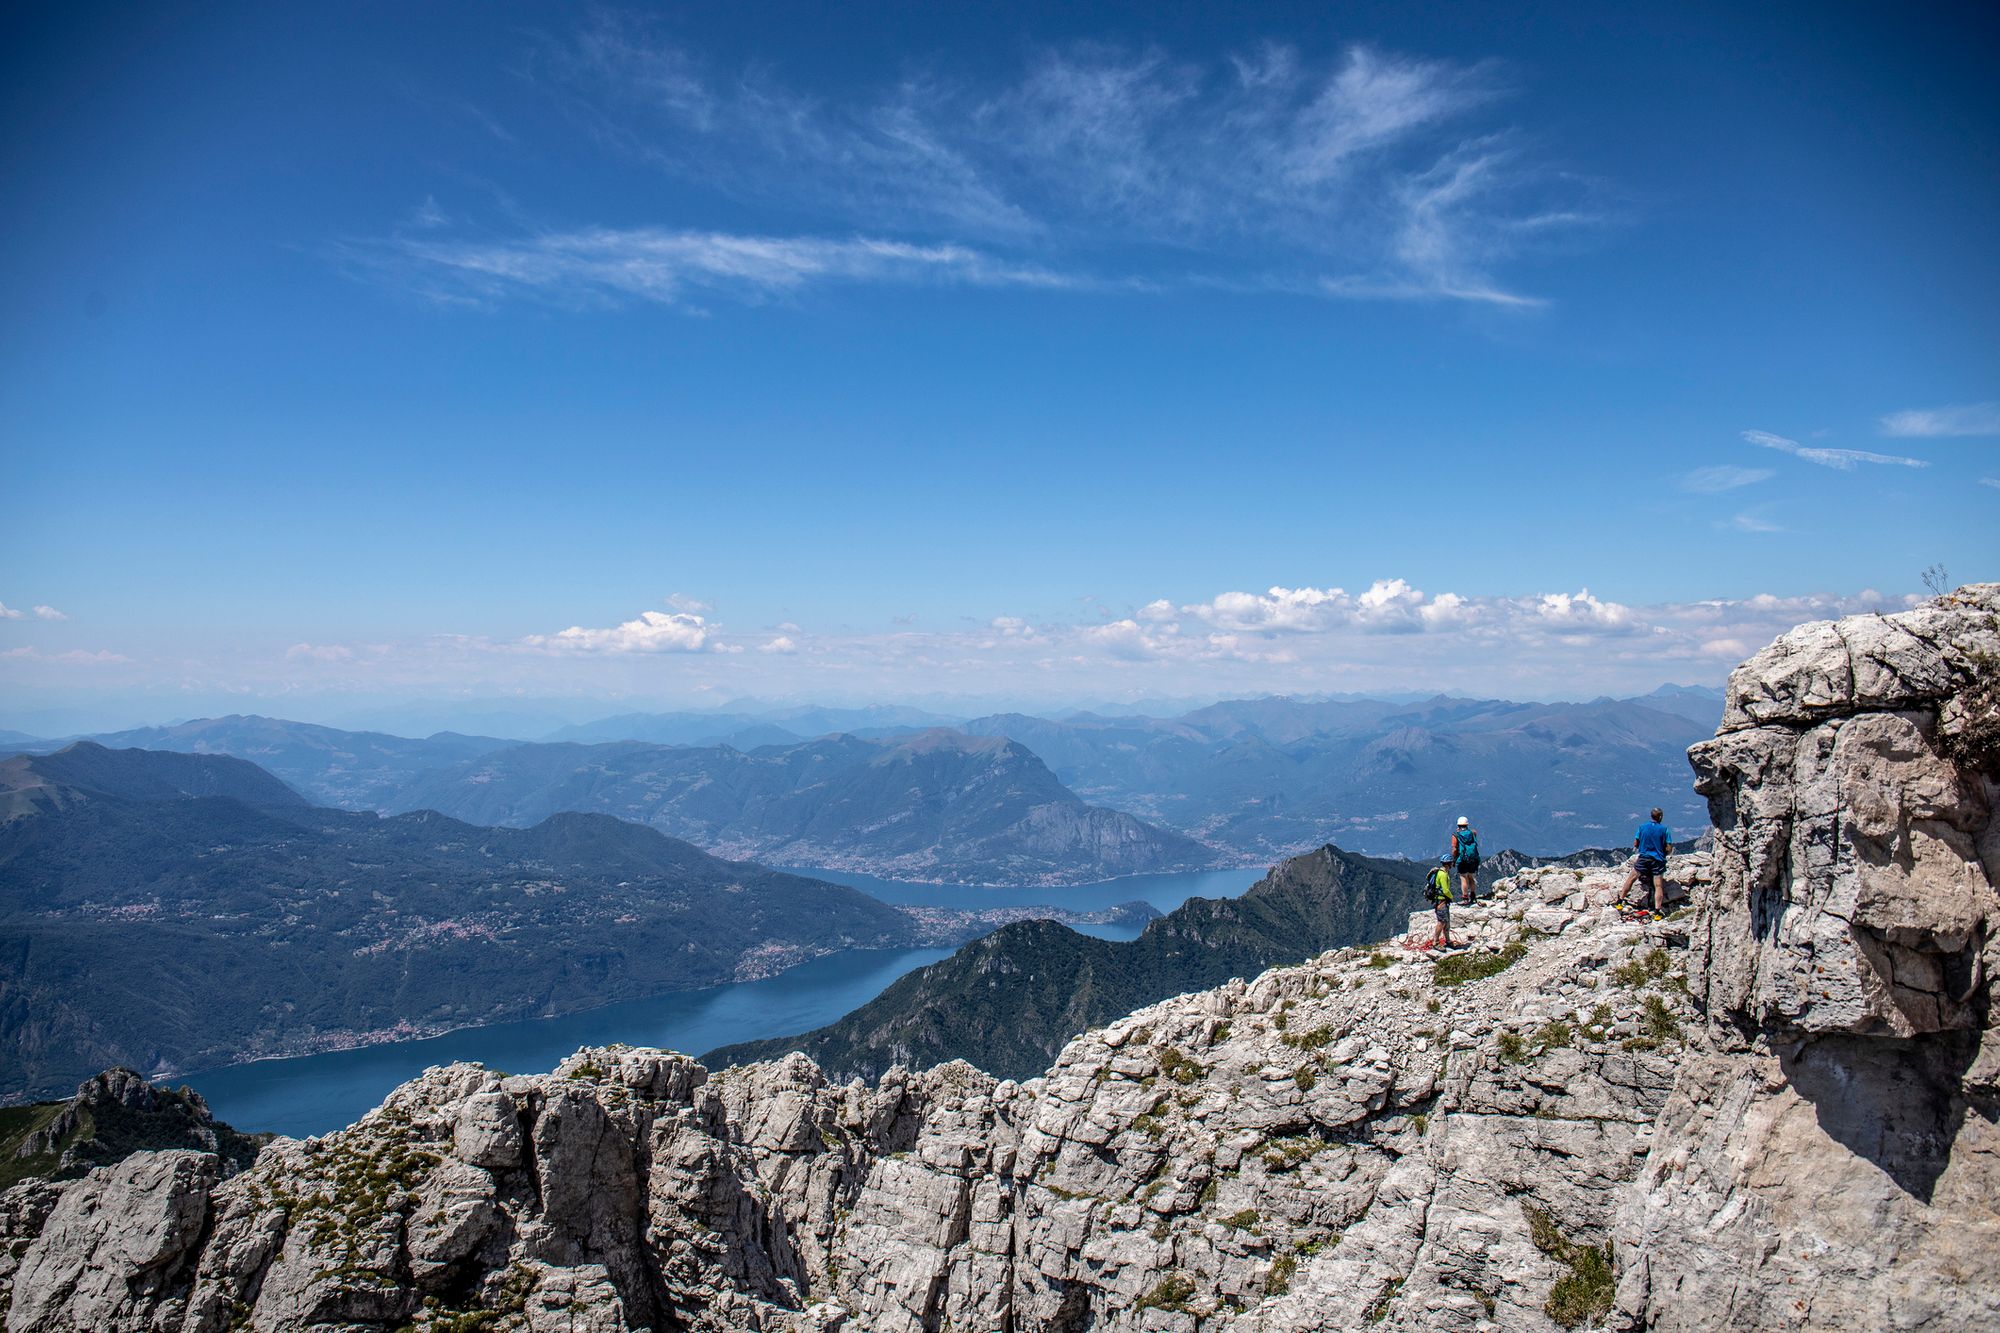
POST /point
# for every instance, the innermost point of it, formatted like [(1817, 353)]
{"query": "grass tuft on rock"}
[(1639, 971), (1458, 968), (1582, 1295), (1169, 1293)]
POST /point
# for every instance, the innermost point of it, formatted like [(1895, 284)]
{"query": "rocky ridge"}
[(113, 1115), (1775, 1110)]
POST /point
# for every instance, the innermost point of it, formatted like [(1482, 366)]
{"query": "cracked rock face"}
[(1857, 856), (1773, 1110)]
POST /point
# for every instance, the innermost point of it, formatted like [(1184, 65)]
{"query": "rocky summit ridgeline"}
[(1775, 1111)]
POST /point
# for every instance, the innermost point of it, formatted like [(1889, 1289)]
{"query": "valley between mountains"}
[(173, 912)]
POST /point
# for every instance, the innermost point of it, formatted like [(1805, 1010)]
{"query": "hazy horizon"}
[(531, 719)]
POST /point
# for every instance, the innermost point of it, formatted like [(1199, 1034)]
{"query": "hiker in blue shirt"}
[(1651, 843)]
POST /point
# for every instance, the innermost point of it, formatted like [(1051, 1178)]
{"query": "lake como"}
[(315, 1094)]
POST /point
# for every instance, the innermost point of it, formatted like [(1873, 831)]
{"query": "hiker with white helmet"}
[(1464, 858)]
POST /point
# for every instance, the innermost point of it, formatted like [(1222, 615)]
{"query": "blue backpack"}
[(1468, 847)]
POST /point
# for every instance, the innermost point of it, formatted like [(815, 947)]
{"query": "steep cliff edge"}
[(1775, 1111)]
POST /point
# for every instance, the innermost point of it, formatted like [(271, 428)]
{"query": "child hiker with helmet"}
[(1464, 857), (1437, 892)]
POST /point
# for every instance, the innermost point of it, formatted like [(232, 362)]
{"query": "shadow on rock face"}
[(1899, 1104)]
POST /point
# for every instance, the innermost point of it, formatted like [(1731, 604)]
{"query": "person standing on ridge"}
[(1465, 859), (1651, 842), (1437, 891)]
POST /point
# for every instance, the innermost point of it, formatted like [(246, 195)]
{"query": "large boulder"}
[(114, 1244), (1856, 850)]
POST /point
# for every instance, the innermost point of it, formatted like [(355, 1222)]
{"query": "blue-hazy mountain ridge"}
[(1265, 777), (938, 805), (1080, 797)]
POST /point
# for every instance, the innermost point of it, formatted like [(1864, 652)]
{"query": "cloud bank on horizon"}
[(1388, 636)]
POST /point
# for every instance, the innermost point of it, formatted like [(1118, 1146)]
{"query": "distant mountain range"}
[(355, 770), (746, 730), (1008, 1002), (1264, 777), (1078, 798), (935, 806), (170, 912)]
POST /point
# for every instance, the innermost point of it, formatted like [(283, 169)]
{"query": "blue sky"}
[(389, 352)]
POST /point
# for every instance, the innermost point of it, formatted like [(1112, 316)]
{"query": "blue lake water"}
[(315, 1094), (1164, 892)]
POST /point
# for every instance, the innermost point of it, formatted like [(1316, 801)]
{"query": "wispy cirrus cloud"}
[(1375, 175), (684, 267), (1845, 460), (1936, 422), (1724, 477)]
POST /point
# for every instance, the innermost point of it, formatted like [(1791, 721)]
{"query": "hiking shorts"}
[(1443, 910), (1651, 868), (1469, 867)]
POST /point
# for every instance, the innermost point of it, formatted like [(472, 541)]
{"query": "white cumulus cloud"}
[(319, 652), (1280, 608), (651, 632), (1579, 610)]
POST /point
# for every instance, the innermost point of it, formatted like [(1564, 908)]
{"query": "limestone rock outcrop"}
[(1856, 838), (1832, 1159), (1774, 1109)]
